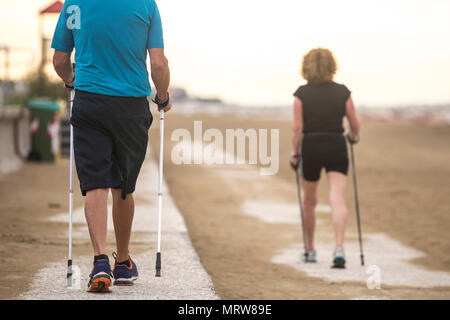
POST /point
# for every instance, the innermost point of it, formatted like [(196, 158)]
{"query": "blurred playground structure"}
[(31, 98)]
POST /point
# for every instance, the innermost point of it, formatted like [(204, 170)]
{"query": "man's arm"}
[(63, 67), (160, 74)]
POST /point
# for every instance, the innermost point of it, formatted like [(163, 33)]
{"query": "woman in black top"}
[(319, 109)]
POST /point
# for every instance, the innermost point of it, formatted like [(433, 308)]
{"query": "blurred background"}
[(393, 55), (392, 52)]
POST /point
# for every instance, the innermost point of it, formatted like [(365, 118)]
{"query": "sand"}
[(248, 250), (403, 173)]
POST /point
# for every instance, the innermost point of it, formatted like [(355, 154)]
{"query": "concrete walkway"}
[(387, 261), (183, 276)]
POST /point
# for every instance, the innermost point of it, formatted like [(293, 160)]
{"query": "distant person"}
[(319, 109), (111, 115)]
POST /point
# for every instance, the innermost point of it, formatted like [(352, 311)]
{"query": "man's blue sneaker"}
[(100, 277), (125, 275)]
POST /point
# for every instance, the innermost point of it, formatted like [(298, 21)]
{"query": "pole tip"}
[(158, 265)]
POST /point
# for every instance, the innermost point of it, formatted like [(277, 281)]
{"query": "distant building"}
[(178, 94), (209, 100)]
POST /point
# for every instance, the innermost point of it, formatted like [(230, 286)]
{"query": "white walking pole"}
[(160, 191), (69, 262)]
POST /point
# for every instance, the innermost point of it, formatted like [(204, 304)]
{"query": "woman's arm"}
[(353, 120), (297, 126)]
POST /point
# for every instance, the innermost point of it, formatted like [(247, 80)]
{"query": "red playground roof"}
[(55, 7)]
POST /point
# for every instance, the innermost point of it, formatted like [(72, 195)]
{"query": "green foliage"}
[(40, 86)]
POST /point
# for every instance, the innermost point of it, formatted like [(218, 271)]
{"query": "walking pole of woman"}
[(358, 218), (69, 261), (160, 190), (299, 194)]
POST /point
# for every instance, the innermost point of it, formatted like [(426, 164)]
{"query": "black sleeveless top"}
[(324, 106)]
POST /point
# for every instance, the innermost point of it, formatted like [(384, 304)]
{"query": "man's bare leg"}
[(96, 212), (123, 214)]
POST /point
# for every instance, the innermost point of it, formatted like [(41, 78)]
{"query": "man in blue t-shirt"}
[(110, 114)]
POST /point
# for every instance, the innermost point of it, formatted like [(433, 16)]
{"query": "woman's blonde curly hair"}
[(319, 66)]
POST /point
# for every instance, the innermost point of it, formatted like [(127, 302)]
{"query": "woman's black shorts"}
[(110, 140), (323, 150)]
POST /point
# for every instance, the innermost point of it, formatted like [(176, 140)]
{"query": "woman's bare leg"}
[(337, 184), (309, 207)]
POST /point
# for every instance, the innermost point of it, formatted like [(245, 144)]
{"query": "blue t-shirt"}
[(111, 39)]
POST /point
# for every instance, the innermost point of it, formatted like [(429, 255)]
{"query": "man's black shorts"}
[(110, 140), (323, 150)]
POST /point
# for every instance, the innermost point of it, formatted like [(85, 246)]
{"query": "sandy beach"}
[(245, 227), (403, 171)]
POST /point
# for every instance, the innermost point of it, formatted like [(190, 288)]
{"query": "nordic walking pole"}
[(358, 218), (299, 193), (160, 190), (69, 261)]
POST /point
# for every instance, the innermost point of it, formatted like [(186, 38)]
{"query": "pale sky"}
[(389, 52)]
